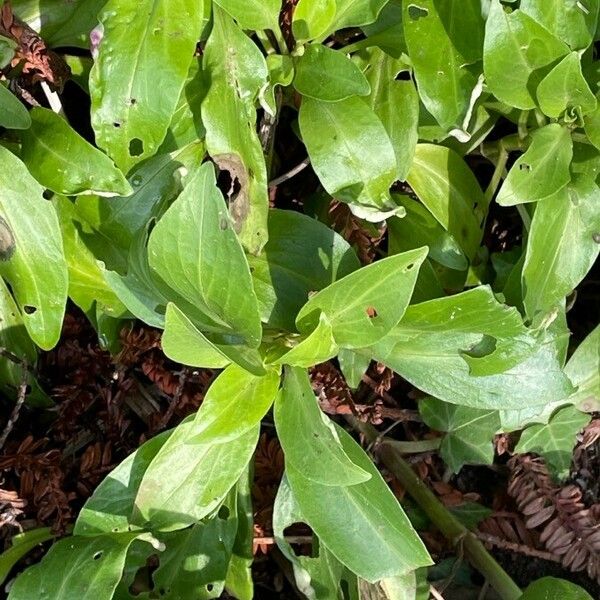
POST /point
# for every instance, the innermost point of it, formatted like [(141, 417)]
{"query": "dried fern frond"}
[(567, 528)]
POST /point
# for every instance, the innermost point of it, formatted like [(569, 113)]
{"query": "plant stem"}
[(497, 175), (413, 447), (448, 525)]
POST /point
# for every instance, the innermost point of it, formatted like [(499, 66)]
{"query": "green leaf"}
[(518, 52), (171, 498), (555, 440), (62, 161), (565, 89), (253, 14), (387, 32), (542, 171), (195, 560), (317, 576), (239, 575), (183, 343), (583, 369), (396, 103), (451, 193), (31, 256), (155, 182), (312, 19), (469, 432), (428, 349), (110, 507), (351, 154), (443, 39), (14, 337), (87, 286), (552, 588), (76, 567), (234, 405), (573, 22), (301, 256), (186, 124), (381, 542), (365, 305), (592, 126), (13, 115), (61, 24), (420, 228), (400, 587), (317, 347), (144, 44), (328, 75), (309, 439), (354, 13), (353, 366), (561, 247), (237, 71), (7, 51), (22, 544), (195, 251)]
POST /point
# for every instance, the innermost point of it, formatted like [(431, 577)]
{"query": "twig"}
[(514, 547), (183, 378), (400, 414), (435, 593), (14, 415), (474, 550), (291, 173)]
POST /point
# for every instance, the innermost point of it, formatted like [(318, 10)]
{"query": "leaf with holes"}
[(565, 89), (195, 560), (32, 258), (237, 72), (144, 44), (542, 171), (381, 542), (396, 103), (443, 40), (365, 305), (437, 341), (64, 162), (351, 153), (95, 567)]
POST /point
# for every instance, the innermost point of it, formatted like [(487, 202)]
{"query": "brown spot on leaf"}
[(7, 240), (371, 312), (239, 201)]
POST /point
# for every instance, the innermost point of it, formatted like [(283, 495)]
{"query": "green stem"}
[(448, 525), (497, 175), (413, 447)]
